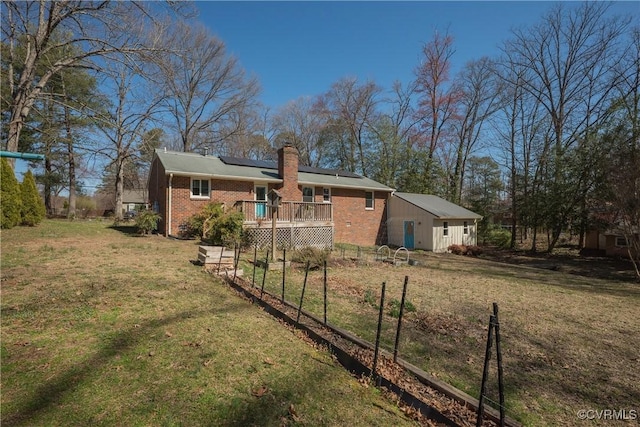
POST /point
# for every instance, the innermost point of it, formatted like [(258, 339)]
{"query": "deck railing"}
[(258, 211)]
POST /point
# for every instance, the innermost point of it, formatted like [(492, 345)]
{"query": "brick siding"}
[(222, 191), (352, 222), (288, 170)]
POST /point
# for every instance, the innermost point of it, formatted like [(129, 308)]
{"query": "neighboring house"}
[(421, 221), (606, 243), (133, 200), (319, 206)]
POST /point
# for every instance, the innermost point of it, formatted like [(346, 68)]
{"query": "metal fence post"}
[(284, 271), (380, 315), (404, 294), (499, 358), (255, 259), (264, 276), (485, 372), (304, 285), (325, 291)]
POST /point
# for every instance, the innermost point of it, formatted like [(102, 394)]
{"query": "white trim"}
[(323, 190), (313, 193), (225, 177), (255, 192), (199, 196), (373, 201)]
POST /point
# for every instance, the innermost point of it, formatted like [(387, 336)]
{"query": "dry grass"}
[(569, 342), (101, 327)]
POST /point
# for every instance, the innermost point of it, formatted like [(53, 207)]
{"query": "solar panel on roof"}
[(333, 172), (237, 161), (265, 164)]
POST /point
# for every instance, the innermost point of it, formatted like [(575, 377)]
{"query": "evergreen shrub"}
[(10, 198), (33, 210)]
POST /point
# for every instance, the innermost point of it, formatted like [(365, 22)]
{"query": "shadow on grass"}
[(276, 407), (128, 230), (52, 391), (593, 275)]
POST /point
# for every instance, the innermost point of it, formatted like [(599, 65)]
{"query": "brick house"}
[(319, 206)]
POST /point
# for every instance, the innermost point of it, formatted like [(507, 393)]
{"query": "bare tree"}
[(394, 132), (301, 123), (203, 85), (437, 96), (351, 105), (621, 154), (254, 135), (94, 29), (478, 90), (125, 122), (570, 57), (518, 127)]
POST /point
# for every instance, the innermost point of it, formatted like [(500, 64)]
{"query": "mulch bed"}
[(457, 413)]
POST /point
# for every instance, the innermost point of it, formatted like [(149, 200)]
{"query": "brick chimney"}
[(288, 171)]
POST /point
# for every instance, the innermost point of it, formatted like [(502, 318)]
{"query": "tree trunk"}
[(119, 187), (48, 202), (71, 212)]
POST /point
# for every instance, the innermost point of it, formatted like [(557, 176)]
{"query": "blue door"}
[(261, 199), (408, 234)]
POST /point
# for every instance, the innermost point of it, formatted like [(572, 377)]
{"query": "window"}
[(368, 199), (260, 194), (200, 188), (465, 229), (326, 195), (307, 194), (445, 228), (621, 241)]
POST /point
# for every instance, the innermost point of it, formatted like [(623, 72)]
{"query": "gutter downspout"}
[(168, 231)]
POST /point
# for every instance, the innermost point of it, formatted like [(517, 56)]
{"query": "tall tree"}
[(394, 135), (349, 107), (94, 29), (571, 56), (125, 122), (620, 159), (300, 123), (478, 89), (438, 97), (483, 188), (253, 137), (203, 86), (518, 132)]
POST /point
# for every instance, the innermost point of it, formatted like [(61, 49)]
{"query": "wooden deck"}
[(301, 214), (298, 224)]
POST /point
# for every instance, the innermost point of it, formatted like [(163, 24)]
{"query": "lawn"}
[(569, 342), (102, 327)]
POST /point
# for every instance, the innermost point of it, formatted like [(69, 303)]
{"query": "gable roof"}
[(437, 206), (193, 164), (134, 196)]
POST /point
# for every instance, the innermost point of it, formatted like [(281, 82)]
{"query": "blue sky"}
[(300, 48)]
